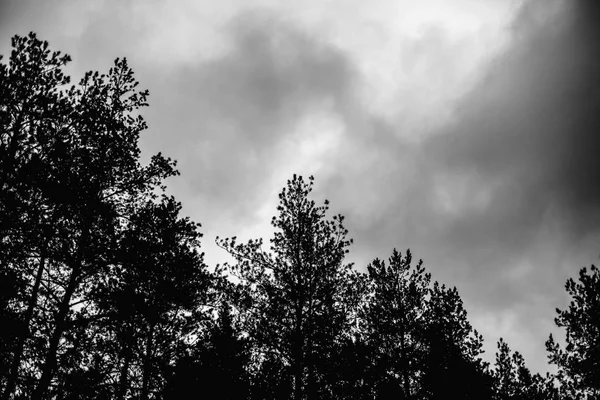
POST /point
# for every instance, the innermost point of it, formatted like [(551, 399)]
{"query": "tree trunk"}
[(147, 365), (127, 343), (405, 361), (297, 356), (297, 379), (50, 362), (297, 346), (16, 361), (124, 376)]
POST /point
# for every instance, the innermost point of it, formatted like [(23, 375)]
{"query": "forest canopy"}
[(105, 294)]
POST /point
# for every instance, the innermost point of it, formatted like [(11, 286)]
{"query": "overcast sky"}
[(465, 130)]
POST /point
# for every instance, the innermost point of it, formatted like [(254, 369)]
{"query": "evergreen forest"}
[(105, 294)]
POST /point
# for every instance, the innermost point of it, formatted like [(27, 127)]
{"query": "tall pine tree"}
[(299, 295), (80, 221)]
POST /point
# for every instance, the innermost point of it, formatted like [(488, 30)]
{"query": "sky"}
[(465, 130)]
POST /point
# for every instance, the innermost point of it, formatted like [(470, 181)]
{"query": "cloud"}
[(502, 199), (533, 123), (529, 131), (516, 156), (245, 116), (239, 120), (417, 129)]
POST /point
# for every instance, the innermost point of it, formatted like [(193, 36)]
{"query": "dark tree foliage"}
[(216, 368), (320, 330), (298, 298), (422, 345), (104, 293), (395, 321), (514, 381), (453, 366), (353, 371), (28, 102), (84, 235), (159, 277), (10, 320), (579, 361)]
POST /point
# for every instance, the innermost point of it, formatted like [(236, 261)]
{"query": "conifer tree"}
[(299, 295), (579, 361), (73, 192), (394, 323), (514, 381)]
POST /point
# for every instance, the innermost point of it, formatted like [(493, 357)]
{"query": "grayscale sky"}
[(465, 130)]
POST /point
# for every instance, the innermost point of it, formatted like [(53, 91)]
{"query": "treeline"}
[(104, 293)]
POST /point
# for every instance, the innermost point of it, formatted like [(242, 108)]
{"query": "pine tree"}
[(514, 381), (82, 223), (395, 321), (579, 361), (453, 364), (300, 295)]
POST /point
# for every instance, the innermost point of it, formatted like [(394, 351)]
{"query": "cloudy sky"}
[(465, 130)]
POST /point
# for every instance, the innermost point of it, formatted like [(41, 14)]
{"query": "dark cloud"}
[(235, 112), (530, 130), (225, 119), (522, 151), (534, 122), (504, 201)]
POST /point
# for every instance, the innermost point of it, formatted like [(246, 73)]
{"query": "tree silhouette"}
[(30, 103), (579, 361), (298, 296), (73, 193), (104, 293), (514, 381), (395, 322), (354, 376), (453, 366), (158, 279), (217, 366), (422, 345)]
